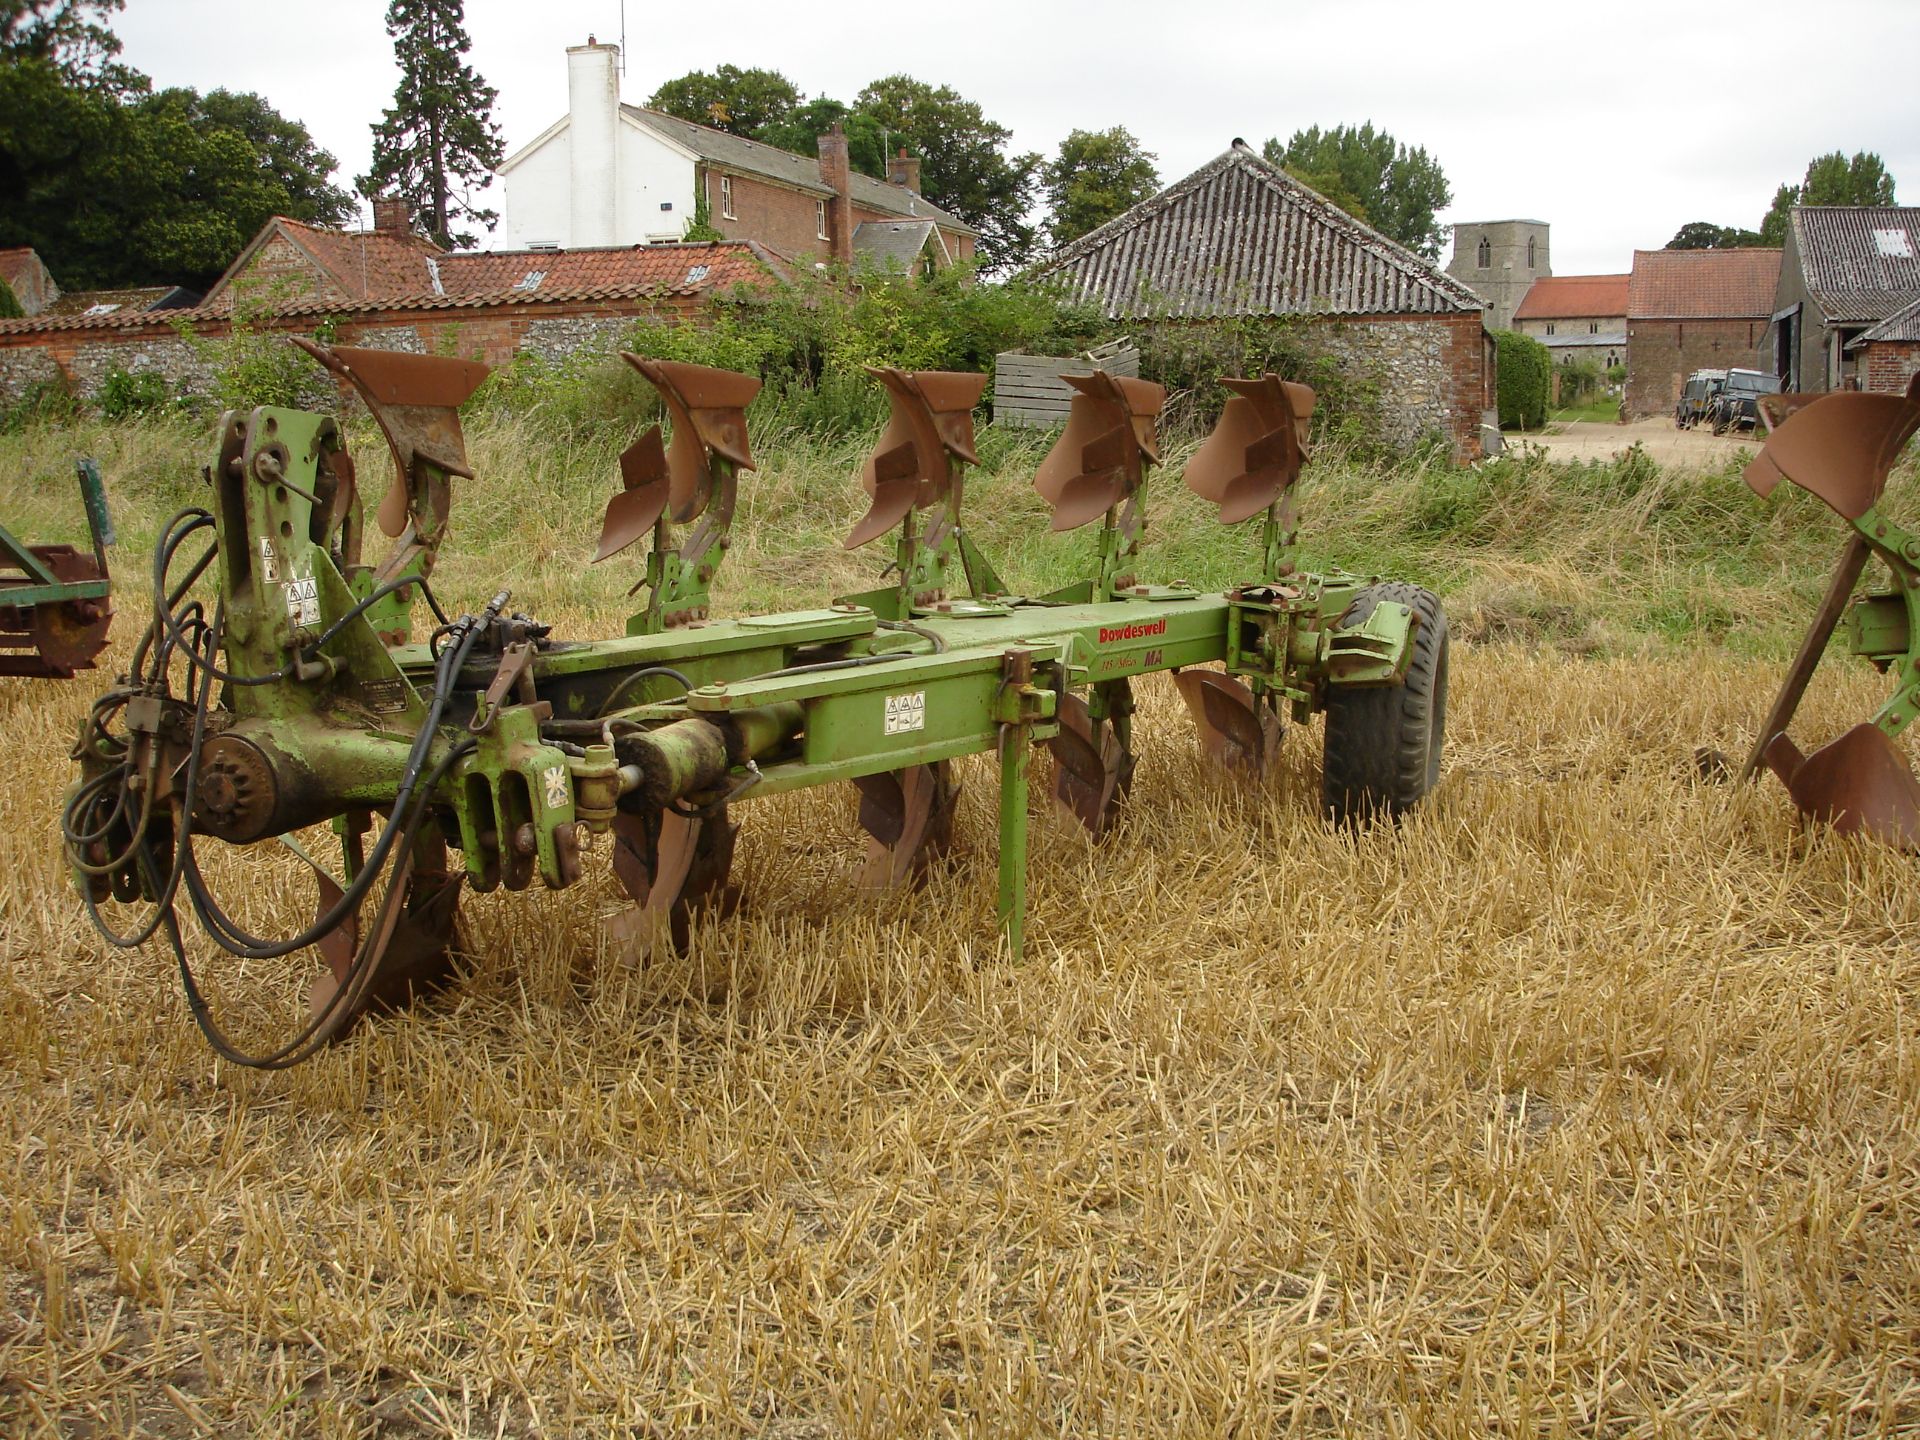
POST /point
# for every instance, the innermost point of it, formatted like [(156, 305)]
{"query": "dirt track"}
[(1587, 440)]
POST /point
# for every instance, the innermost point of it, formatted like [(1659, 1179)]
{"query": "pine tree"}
[(439, 137)]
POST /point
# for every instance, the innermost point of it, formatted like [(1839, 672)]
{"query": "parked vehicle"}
[(1737, 406), (1695, 396)]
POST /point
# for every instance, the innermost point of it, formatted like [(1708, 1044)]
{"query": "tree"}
[(1705, 235), (964, 168), (801, 130), (1831, 179), (440, 130), (1096, 176), (741, 101), (1397, 188), (160, 188), (70, 35), (286, 151)]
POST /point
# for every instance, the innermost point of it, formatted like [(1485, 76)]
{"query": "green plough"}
[(281, 684)]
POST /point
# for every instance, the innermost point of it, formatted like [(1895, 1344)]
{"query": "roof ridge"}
[(1413, 268)]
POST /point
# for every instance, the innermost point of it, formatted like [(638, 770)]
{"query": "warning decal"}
[(906, 712), (303, 601)]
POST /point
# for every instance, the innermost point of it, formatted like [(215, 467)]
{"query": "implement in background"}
[(54, 605), (1841, 447)]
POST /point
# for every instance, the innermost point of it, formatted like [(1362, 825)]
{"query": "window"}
[(1549, 327), (726, 197), (1529, 252), (1486, 252), (820, 218), (1593, 327), (531, 280)]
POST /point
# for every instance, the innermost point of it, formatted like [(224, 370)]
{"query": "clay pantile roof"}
[(750, 157), (577, 276), (1702, 284), (718, 266), (1242, 237), (1861, 262), (367, 263), (1574, 297)]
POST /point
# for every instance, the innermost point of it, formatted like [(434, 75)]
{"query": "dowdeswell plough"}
[(281, 684)]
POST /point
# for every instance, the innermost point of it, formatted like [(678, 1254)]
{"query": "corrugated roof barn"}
[(1242, 237), (1860, 262), (1847, 269), (1239, 237)]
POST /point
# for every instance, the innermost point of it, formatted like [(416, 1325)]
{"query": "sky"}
[(1616, 123)]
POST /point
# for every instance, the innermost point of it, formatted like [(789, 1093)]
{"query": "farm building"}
[(389, 289), (1241, 238), (612, 174), (1689, 310), (1846, 270), (1577, 317), (1887, 357)]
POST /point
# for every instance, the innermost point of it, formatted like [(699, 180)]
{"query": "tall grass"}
[(1585, 1102), (1618, 556)]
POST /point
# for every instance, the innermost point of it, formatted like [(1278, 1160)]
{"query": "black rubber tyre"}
[(1383, 742)]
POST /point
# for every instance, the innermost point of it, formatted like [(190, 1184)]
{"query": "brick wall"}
[(787, 222), (1888, 365), (1433, 373), (783, 220), (82, 357), (1662, 353), (33, 286)]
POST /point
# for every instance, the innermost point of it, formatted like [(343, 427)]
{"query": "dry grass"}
[(1583, 1103)]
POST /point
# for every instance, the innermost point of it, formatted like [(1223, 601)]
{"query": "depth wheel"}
[(1383, 742)]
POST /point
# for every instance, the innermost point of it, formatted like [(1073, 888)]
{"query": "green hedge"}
[(1526, 380)]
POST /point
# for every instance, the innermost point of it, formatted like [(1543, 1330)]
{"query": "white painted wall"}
[(593, 131), (535, 209), (547, 202), (653, 173)]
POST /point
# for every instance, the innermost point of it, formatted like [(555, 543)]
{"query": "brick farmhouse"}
[(1241, 238), (1691, 310)]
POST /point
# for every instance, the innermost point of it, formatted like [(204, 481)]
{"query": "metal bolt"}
[(525, 840)]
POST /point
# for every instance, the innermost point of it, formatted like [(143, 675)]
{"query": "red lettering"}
[(1109, 634)]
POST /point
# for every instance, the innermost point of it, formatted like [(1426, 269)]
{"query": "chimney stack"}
[(593, 120), (836, 172), (904, 170), (392, 215)]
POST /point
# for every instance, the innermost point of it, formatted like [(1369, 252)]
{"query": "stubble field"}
[(1586, 1101)]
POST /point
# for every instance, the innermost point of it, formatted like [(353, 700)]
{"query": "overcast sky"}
[(1615, 122)]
